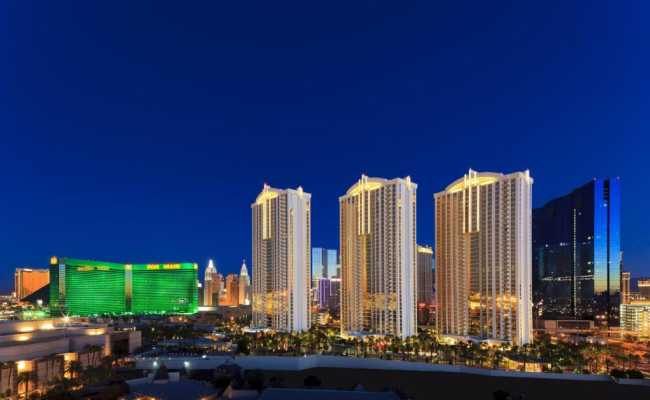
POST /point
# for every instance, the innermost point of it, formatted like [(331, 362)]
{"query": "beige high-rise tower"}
[(625, 287), (244, 285), (483, 260), (378, 257), (209, 285), (281, 262)]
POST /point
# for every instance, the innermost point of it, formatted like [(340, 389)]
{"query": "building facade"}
[(324, 263), (232, 290), (281, 259), (219, 289), (27, 281), (625, 287), (644, 289), (635, 318), (209, 287), (244, 285), (86, 288), (43, 346), (425, 275), (329, 294), (378, 257), (424, 296), (577, 252), (483, 260)]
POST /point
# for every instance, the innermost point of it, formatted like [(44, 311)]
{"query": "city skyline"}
[(645, 272), (152, 153), (270, 200)]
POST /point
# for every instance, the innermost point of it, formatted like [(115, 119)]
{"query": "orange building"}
[(27, 281), (232, 290)]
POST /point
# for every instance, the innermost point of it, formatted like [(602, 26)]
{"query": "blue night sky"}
[(141, 131)]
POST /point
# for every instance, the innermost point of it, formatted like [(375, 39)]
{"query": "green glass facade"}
[(83, 288), (164, 288)]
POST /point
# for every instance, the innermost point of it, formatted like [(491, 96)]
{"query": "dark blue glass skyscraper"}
[(323, 263), (577, 252)]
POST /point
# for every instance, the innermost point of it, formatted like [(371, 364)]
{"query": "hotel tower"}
[(378, 257), (483, 263), (28, 280), (209, 286), (244, 285), (281, 250)]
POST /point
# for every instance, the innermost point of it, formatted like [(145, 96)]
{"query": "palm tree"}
[(390, 341), (107, 362), (496, 359), (46, 360), (95, 350), (372, 343), (433, 345), (50, 360), (74, 367), (399, 344), (12, 366), (526, 351), (454, 352), (91, 374), (60, 386), (606, 352), (408, 344), (27, 377)]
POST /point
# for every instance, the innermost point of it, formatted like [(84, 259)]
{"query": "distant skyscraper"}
[(329, 293), (577, 251), (324, 292), (644, 289), (27, 281), (425, 275), (208, 287), (323, 264), (244, 285), (483, 260), (232, 290), (378, 257), (334, 301), (199, 286), (281, 262), (625, 287), (219, 287)]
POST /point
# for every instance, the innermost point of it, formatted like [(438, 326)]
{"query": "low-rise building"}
[(218, 313), (43, 346), (635, 318)]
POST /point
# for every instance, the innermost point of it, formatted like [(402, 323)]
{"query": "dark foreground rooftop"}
[(324, 394), (173, 391), (443, 385)]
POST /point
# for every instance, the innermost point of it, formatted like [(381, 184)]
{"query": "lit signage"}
[(89, 268), (171, 266), (153, 266)]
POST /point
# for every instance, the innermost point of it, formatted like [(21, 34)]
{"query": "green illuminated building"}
[(82, 288)]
